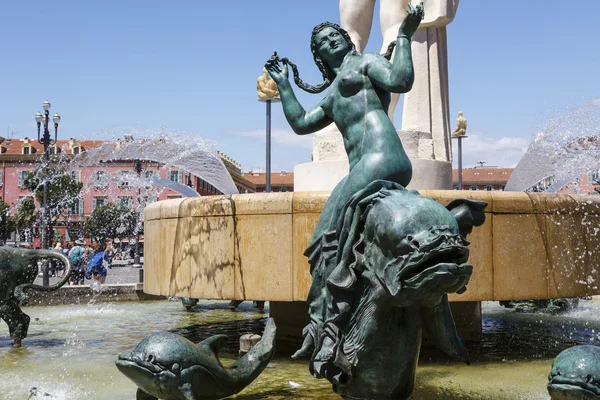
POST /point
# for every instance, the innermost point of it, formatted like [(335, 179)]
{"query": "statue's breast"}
[(350, 82)]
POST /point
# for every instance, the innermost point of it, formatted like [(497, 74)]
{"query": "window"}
[(594, 176), (123, 176), (52, 150), (176, 176), (173, 196), (455, 187), (502, 187), (76, 150), (100, 179), (26, 149), (146, 199), (99, 201), (76, 175), (1, 178), (150, 174), (489, 188), (126, 201), (76, 207), (22, 176), (474, 188), (284, 189)]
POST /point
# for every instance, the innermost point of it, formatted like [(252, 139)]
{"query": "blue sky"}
[(192, 66)]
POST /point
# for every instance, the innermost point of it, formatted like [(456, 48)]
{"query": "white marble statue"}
[(426, 106)]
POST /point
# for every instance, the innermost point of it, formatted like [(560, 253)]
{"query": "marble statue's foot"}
[(16, 343)]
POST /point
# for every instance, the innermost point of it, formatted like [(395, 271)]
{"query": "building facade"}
[(280, 181), (104, 183), (482, 178)]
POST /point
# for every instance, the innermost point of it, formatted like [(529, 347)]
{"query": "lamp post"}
[(268, 102), (459, 138), (136, 257), (47, 142)]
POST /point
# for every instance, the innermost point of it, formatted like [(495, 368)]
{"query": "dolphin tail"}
[(440, 325), (19, 291), (247, 368)]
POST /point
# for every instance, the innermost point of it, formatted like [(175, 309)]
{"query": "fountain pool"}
[(70, 352)]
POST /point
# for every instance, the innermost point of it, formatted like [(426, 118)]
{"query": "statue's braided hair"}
[(328, 75)]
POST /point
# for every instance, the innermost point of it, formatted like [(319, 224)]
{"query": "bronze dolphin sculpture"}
[(381, 278), (18, 270), (575, 374), (170, 367)]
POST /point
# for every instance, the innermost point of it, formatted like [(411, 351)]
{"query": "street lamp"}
[(47, 142), (136, 257)]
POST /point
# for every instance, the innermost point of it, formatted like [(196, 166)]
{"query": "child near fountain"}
[(96, 267)]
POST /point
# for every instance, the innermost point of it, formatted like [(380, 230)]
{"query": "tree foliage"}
[(63, 189), (25, 218), (7, 223), (111, 221)]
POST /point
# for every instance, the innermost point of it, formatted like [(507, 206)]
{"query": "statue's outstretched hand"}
[(412, 20), (278, 72)]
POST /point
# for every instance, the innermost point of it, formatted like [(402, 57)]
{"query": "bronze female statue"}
[(382, 258), (359, 96), (357, 102)]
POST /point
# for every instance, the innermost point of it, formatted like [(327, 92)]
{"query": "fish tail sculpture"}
[(170, 367), (18, 270)]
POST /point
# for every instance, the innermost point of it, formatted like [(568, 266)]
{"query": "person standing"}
[(77, 259), (96, 269)]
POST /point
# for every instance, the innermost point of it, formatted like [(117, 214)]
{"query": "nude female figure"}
[(356, 16), (360, 86), (357, 102)]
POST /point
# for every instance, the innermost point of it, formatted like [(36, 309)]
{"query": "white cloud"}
[(504, 152), (282, 137)]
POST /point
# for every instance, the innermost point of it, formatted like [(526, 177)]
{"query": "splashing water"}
[(563, 150), (169, 147)]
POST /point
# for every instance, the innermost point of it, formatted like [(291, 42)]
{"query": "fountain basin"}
[(250, 246)]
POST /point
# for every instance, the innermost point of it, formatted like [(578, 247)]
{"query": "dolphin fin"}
[(213, 344), (247, 368), (440, 325)]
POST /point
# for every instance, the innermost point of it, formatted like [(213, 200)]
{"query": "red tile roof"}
[(15, 146), (483, 175), (277, 178)]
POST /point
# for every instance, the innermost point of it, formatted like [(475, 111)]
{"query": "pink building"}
[(101, 184)]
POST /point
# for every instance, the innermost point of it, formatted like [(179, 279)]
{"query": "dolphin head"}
[(575, 374), (415, 247), (158, 362)]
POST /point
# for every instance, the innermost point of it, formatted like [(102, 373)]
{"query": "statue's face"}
[(331, 45)]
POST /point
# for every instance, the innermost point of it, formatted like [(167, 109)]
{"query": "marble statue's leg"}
[(356, 17), (391, 15)]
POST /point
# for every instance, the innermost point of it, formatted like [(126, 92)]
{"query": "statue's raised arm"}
[(398, 76), (301, 121)]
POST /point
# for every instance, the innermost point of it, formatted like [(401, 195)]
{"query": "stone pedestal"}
[(330, 162), (291, 317)]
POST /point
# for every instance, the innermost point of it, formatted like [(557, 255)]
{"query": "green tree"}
[(63, 189), (7, 223), (25, 217), (111, 221)]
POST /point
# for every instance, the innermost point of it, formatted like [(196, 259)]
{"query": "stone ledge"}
[(82, 294), (532, 246)]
